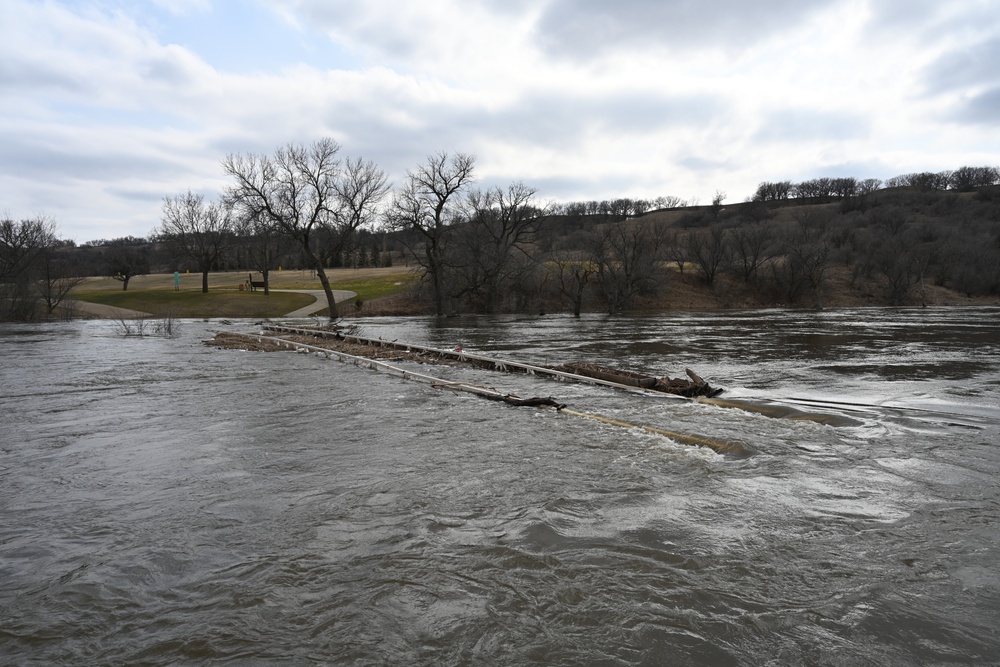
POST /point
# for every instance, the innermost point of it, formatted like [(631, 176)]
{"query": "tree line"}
[(964, 179), (500, 249)]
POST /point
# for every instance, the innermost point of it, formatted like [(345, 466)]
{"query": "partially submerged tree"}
[(57, 276), (627, 256), (427, 206), (572, 277), (490, 249), (22, 244), (302, 189), (197, 230)]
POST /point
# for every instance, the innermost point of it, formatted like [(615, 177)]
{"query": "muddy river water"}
[(166, 502)]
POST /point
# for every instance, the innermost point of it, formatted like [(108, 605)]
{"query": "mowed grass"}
[(368, 283), (194, 303), (370, 289), (374, 287), (155, 293)]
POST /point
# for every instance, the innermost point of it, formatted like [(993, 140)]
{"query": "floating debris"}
[(335, 338), (330, 348), (689, 388)]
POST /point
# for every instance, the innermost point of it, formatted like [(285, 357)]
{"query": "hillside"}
[(899, 246)]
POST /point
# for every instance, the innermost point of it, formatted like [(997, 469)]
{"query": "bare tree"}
[(869, 186), (844, 187), (822, 189), (896, 259), (360, 188), (198, 230), (805, 258), (573, 275), (893, 252), (975, 269), (967, 179), (708, 250), (263, 244), (124, 262), (627, 257), (750, 246), (620, 208), (924, 181), (426, 205), (22, 244), (805, 268), (717, 200), (303, 189), (669, 201), (498, 224), (767, 191), (57, 276), (676, 251)]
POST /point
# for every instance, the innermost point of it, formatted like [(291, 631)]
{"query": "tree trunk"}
[(330, 299), (434, 268), (321, 272), (267, 282), (125, 283), (438, 295), (204, 282)]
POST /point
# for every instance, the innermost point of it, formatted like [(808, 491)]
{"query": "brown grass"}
[(297, 279)]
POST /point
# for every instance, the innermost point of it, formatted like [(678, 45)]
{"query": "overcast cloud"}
[(106, 107)]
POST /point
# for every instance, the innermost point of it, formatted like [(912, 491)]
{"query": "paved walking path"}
[(340, 295)]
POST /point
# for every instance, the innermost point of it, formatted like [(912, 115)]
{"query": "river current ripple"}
[(165, 502)]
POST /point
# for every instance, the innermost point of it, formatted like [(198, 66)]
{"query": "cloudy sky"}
[(108, 105)]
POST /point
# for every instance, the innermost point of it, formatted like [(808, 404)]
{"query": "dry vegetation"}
[(917, 241)]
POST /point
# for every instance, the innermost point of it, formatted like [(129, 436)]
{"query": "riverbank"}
[(838, 290), (687, 291), (395, 291)]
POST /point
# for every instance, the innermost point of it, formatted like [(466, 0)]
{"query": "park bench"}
[(255, 284)]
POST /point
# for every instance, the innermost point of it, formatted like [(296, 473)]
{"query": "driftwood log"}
[(536, 402), (693, 387), (630, 378)]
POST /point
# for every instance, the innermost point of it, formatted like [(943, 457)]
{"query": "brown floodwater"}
[(165, 502)]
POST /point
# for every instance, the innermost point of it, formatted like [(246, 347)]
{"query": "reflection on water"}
[(165, 502)]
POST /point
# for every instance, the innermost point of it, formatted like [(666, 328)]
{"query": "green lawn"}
[(369, 290), (155, 294), (194, 303), (377, 286)]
